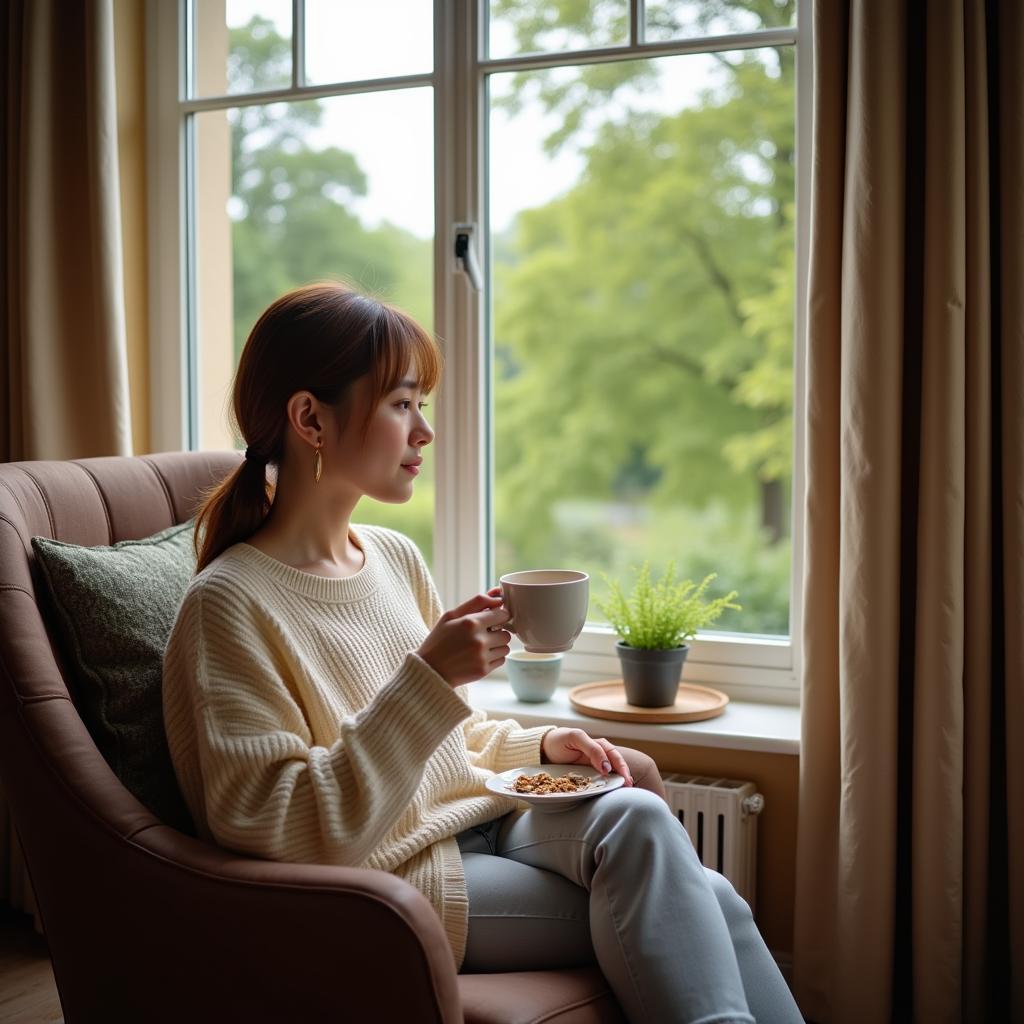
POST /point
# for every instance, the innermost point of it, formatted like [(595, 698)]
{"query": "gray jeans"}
[(617, 880)]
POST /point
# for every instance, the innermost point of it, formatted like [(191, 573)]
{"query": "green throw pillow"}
[(112, 609)]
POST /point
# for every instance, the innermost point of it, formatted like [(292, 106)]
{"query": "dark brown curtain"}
[(910, 873)]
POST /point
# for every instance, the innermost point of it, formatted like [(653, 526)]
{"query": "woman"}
[(315, 710)]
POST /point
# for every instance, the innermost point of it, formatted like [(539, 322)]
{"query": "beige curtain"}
[(63, 362), (910, 854)]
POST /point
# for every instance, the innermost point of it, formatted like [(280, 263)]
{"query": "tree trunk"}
[(773, 517)]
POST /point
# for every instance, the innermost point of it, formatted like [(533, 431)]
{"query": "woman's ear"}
[(306, 416)]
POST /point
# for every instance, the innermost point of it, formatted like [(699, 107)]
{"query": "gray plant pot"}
[(651, 678)]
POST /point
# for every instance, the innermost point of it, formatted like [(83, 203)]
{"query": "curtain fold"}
[(64, 347), (63, 355), (909, 903)]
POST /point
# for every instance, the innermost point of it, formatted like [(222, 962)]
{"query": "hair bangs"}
[(404, 346)]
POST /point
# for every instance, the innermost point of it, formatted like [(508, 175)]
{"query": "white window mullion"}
[(804, 109), (460, 514)]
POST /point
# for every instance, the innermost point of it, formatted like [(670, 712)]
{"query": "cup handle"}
[(510, 625)]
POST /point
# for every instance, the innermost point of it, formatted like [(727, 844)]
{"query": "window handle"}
[(465, 255)]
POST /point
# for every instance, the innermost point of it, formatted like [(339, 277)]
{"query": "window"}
[(620, 378)]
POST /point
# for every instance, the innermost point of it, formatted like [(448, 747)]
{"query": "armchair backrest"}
[(61, 791)]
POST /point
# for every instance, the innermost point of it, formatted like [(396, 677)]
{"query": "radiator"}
[(720, 816)]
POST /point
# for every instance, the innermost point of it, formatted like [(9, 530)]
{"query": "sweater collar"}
[(322, 588)]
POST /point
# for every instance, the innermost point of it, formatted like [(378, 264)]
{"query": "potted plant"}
[(654, 624)]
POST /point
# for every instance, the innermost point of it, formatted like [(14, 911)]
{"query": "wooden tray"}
[(608, 700)]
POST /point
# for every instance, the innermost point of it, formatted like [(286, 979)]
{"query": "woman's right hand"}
[(465, 645)]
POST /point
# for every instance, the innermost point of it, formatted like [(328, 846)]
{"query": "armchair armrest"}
[(275, 941)]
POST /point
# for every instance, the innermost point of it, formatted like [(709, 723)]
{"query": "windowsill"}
[(743, 725)]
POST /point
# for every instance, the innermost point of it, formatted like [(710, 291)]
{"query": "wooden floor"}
[(28, 994)]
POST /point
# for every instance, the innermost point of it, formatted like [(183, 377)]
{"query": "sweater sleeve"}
[(263, 788), (494, 745), (499, 745)]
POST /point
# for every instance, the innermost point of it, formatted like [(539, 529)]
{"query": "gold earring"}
[(318, 464)]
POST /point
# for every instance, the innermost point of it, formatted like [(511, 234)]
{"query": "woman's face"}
[(383, 461)]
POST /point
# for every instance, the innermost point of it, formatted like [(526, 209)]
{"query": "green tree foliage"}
[(292, 221), (554, 25), (644, 319)]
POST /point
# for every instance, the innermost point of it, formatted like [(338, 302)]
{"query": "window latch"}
[(465, 255)]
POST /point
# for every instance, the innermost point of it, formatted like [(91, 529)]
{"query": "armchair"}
[(146, 923)]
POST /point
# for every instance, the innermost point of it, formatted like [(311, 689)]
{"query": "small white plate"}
[(502, 785)]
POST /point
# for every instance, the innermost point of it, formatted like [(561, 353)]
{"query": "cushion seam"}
[(45, 500), (5, 518), (569, 1006), (17, 501), (103, 501), (163, 483), (41, 698)]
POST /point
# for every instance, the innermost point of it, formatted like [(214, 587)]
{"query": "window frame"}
[(746, 667)]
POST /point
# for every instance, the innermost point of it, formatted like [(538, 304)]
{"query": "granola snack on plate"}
[(544, 784)]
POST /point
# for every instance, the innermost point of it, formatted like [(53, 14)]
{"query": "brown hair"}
[(320, 338)]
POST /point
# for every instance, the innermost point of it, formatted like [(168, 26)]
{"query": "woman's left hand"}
[(574, 746)]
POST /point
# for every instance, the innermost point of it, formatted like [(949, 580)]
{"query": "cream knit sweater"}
[(303, 728)]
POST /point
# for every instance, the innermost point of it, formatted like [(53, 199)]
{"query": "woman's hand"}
[(574, 746), (467, 643)]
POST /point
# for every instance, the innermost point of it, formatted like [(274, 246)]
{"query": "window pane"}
[(643, 264), (298, 192), (242, 46), (354, 41), (540, 26), (690, 19)]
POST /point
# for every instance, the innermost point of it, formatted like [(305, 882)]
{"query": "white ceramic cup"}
[(533, 677), (548, 607)]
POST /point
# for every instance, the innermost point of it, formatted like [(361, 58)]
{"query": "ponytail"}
[(232, 510)]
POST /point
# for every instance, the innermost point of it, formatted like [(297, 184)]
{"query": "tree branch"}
[(722, 59), (691, 366), (718, 277)]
